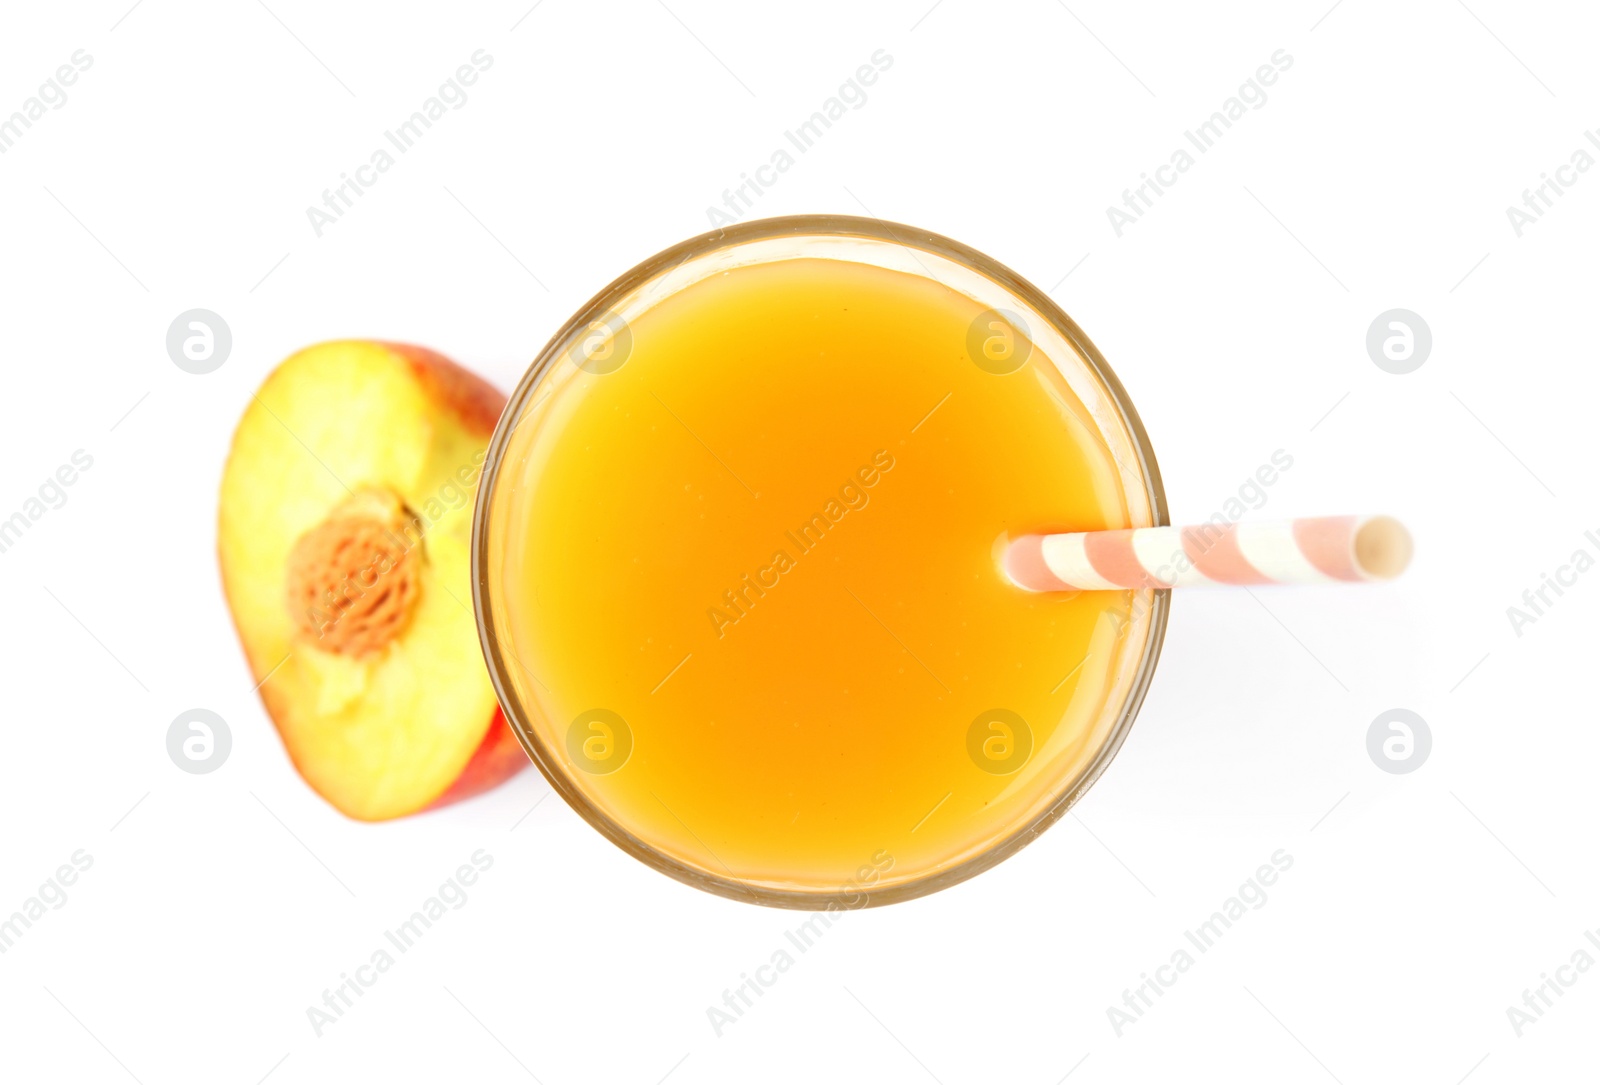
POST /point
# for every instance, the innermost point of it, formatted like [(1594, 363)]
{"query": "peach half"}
[(344, 535)]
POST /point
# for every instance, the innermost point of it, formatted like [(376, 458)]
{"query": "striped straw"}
[(1316, 550)]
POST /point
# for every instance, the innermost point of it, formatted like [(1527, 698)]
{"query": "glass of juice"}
[(736, 562)]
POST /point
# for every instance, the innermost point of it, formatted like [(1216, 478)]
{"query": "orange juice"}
[(744, 572)]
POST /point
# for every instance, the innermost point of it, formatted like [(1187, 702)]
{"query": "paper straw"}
[(1316, 550)]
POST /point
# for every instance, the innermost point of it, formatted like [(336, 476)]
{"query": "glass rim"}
[(549, 763)]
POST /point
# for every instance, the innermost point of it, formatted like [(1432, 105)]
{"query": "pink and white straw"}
[(1315, 550)]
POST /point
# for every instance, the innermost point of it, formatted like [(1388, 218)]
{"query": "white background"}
[(1377, 175)]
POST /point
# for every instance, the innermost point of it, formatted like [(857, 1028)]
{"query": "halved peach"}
[(344, 535)]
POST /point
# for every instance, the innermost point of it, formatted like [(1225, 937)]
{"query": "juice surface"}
[(765, 550)]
